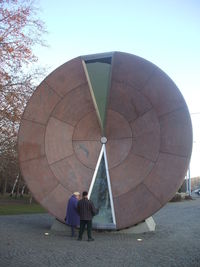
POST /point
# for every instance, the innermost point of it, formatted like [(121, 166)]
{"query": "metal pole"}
[(186, 182), (189, 181)]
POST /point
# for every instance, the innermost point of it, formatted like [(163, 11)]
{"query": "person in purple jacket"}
[(72, 217)]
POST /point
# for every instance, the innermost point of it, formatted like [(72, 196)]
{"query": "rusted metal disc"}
[(146, 130)]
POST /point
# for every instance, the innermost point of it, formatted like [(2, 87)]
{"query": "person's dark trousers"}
[(83, 223)]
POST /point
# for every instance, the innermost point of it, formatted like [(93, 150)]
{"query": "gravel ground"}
[(175, 243)]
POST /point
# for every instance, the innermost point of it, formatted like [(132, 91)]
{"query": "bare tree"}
[(20, 31)]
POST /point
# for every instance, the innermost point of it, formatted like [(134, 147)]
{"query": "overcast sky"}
[(167, 33)]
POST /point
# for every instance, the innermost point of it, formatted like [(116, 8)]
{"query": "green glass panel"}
[(99, 75), (101, 198)]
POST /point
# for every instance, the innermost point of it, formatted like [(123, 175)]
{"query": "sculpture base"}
[(148, 225)]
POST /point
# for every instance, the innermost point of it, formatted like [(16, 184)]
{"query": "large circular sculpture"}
[(113, 124)]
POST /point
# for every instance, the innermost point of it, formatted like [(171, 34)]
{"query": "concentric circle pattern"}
[(143, 122)]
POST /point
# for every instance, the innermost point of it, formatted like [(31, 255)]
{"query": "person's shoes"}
[(90, 239), (79, 239)]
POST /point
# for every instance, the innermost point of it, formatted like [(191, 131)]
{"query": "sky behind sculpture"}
[(164, 32)]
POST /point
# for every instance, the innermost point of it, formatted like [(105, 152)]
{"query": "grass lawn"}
[(13, 206)]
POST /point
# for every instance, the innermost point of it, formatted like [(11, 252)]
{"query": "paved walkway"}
[(175, 243)]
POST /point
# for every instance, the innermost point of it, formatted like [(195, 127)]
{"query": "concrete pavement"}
[(175, 243)]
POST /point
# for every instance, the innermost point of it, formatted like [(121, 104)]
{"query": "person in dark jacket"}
[(72, 217), (86, 211)]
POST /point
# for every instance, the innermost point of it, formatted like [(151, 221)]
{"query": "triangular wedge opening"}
[(101, 195), (98, 73)]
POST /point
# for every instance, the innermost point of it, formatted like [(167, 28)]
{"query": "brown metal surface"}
[(132, 70), (136, 205), (39, 177), (72, 174), (43, 101), (175, 132), (87, 152), (128, 101), (55, 201), (31, 140), (67, 77), (124, 179), (148, 131), (74, 106), (117, 126), (162, 93), (166, 176), (58, 140), (88, 128), (117, 151)]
